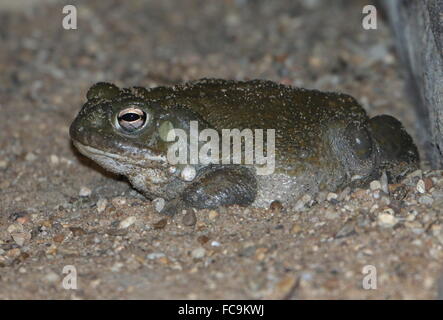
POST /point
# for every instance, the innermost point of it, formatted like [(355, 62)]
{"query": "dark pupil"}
[(130, 117)]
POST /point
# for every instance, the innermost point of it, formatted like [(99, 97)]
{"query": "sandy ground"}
[(58, 209)]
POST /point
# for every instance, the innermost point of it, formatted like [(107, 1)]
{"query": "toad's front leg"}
[(216, 186)]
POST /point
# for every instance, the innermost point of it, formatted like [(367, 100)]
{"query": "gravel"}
[(315, 253)]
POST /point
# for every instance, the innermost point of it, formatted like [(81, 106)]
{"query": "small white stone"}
[(159, 204), (126, 223), (215, 244), (384, 182), (54, 159), (188, 173), (155, 255), (30, 157), (375, 185), (331, 195), (101, 205), (172, 169), (387, 220), (3, 164), (421, 186), (51, 277), (198, 253), (84, 192), (116, 267), (376, 194)]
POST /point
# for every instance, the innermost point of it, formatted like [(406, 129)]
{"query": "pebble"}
[(212, 215), (424, 185), (360, 194), (159, 204), (421, 186), (387, 220), (23, 219), (51, 277), (260, 253), (321, 196), (276, 206), (160, 224), (84, 192), (126, 223), (413, 225), (296, 228), (304, 201), (437, 194), (58, 238), (54, 159), (15, 228), (21, 237), (384, 183), (215, 244), (116, 267), (203, 239), (3, 164), (52, 250), (188, 173), (384, 200), (331, 214), (101, 205), (331, 196), (426, 200), (189, 219), (77, 231), (428, 184), (375, 185), (198, 253), (376, 193), (155, 255), (284, 288), (347, 229), (342, 196), (30, 157), (13, 253)]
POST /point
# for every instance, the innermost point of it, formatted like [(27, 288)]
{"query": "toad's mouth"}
[(121, 163)]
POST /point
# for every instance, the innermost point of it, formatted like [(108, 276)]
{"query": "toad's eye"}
[(132, 119), (359, 140)]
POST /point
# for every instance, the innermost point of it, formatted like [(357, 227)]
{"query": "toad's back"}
[(299, 116)]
